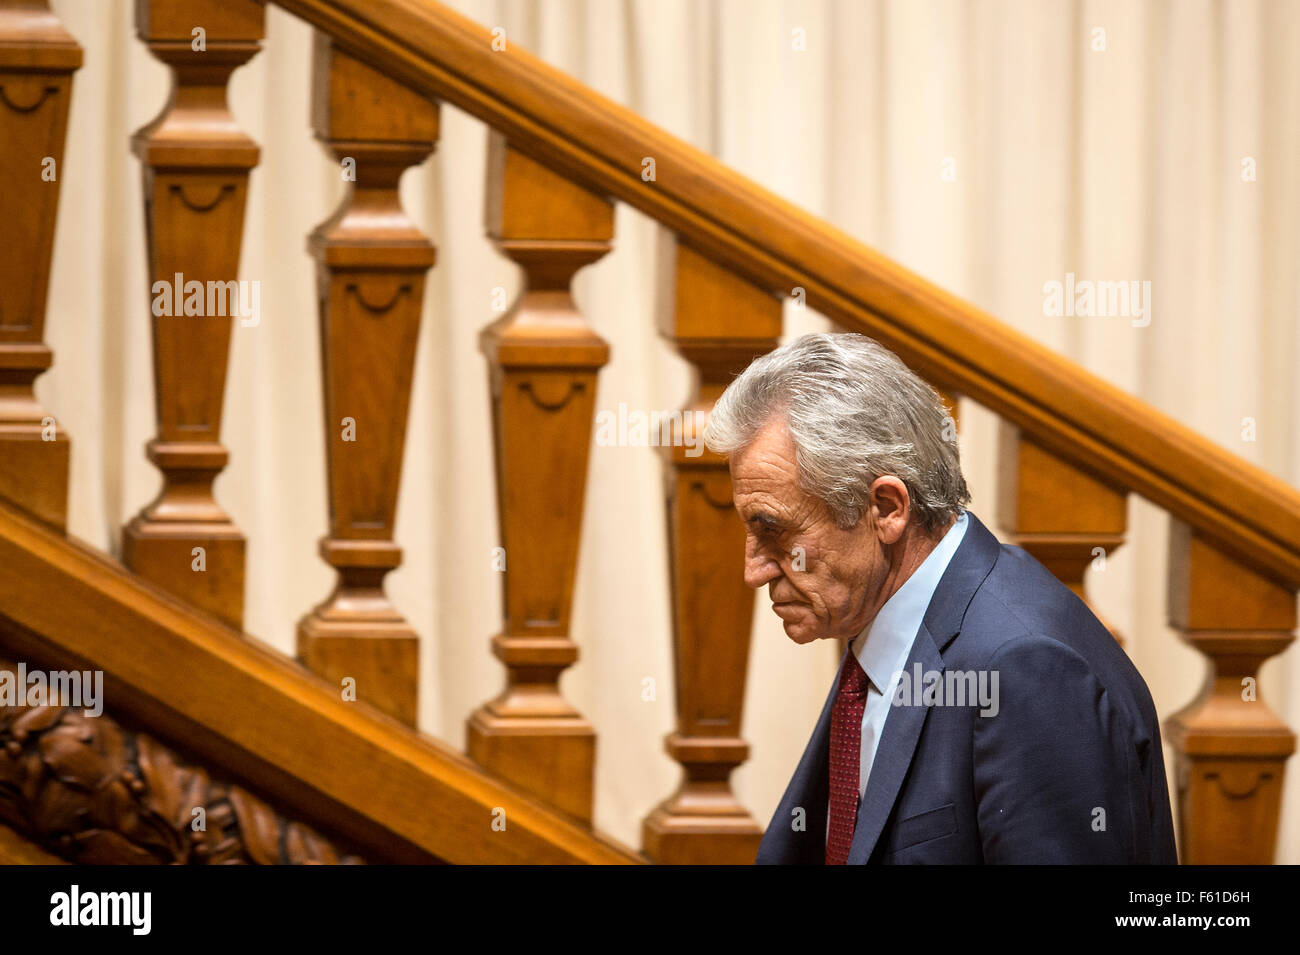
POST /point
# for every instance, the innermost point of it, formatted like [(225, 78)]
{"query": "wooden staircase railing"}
[(248, 714), (1073, 447)]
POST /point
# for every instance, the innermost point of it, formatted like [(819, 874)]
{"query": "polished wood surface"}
[(371, 261), (778, 246), (196, 165), (235, 705), (542, 363), (37, 60), (719, 323), (1230, 748), (1068, 519)]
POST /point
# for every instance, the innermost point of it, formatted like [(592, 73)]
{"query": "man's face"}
[(824, 581)]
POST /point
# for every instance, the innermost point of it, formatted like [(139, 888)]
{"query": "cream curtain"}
[(991, 146)]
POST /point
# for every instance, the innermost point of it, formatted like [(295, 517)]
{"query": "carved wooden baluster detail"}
[(1230, 748), (719, 323), (37, 60), (196, 166), (371, 265), (543, 360), (1064, 516)]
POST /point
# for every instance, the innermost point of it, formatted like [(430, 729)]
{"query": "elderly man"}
[(981, 712)]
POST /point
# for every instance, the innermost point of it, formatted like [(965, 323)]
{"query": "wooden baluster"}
[(37, 60), (543, 360), (719, 323), (1064, 516), (196, 166), (371, 264), (1230, 749)]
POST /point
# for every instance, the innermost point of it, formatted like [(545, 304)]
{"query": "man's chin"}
[(800, 633), (798, 621)]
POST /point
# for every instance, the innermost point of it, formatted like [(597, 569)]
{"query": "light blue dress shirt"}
[(883, 646)]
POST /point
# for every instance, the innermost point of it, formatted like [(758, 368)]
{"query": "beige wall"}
[(1116, 165)]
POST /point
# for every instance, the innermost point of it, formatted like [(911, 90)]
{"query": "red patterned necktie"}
[(846, 757)]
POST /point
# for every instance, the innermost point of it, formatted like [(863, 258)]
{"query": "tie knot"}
[(853, 681)]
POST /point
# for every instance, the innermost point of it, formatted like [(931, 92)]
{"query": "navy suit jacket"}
[(1069, 770)]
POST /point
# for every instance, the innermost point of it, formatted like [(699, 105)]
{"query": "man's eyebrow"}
[(764, 518)]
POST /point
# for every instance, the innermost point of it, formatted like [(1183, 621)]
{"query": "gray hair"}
[(855, 413)]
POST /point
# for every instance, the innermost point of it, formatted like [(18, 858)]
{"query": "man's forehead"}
[(765, 494), (771, 448)]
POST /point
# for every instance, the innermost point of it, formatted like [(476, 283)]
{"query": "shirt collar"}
[(883, 645)]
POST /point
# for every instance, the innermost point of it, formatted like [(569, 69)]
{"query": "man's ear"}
[(891, 507)]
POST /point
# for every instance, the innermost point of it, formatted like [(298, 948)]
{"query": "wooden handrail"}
[(775, 245)]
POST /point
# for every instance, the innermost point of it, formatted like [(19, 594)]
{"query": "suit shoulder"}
[(1019, 598), (1022, 610)]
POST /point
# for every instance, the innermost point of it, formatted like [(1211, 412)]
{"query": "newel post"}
[(37, 60)]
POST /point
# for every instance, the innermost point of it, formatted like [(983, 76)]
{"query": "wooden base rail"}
[(1072, 449), (258, 719)]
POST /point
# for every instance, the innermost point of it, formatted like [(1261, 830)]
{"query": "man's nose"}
[(760, 568)]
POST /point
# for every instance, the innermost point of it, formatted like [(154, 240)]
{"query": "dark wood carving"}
[(37, 60), (94, 792), (196, 165)]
